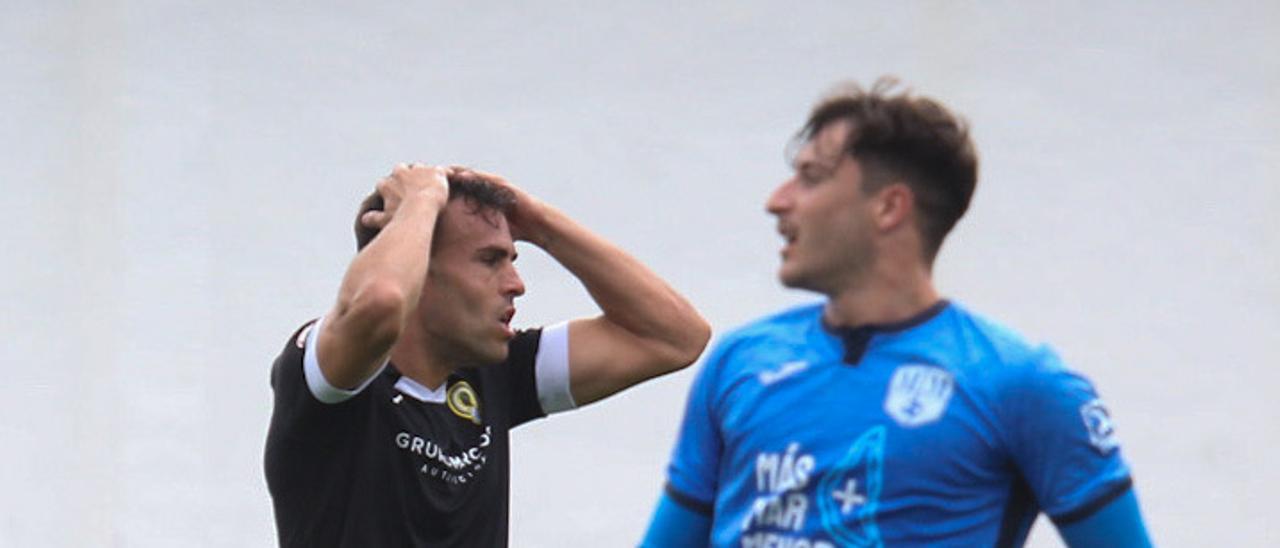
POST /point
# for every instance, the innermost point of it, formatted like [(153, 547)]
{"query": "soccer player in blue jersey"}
[(886, 415)]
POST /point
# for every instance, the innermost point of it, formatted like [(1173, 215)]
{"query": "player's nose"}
[(780, 199), (513, 284)]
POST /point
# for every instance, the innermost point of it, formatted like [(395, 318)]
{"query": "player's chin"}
[(493, 352), (790, 276), (795, 278)]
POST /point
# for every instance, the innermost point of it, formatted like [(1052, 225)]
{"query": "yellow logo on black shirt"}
[(463, 401)]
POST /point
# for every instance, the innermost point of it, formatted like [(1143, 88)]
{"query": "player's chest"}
[(897, 413), (818, 455), (443, 446)]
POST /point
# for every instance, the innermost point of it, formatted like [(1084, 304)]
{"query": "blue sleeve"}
[(1118, 523), (1061, 438), (693, 473), (675, 526)]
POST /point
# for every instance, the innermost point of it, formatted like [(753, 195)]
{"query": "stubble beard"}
[(832, 278)]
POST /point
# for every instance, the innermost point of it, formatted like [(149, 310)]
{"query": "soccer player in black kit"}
[(392, 411)]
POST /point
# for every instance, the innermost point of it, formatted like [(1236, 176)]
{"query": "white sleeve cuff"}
[(319, 386), (551, 369)]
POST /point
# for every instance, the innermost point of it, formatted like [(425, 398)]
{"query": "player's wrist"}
[(536, 222), (422, 206), (434, 195)]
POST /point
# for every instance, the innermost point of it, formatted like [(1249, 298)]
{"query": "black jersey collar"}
[(857, 338), (420, 392)]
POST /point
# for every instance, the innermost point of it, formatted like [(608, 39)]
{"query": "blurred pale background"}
[(179, 179)]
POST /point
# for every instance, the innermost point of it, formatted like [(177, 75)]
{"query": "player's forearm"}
[(674, 526), (1117, 524), (382, 285), (631, 295)]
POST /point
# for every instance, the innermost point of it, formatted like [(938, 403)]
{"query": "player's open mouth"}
[(505, 320), (787, 231), (789, 236)]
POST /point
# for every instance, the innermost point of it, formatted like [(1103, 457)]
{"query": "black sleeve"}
[(297, 415), (522, 382)]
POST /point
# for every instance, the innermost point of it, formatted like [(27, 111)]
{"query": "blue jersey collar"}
[(857, 338)]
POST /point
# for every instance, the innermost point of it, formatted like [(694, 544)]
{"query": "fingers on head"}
[(374, 219), (491, 177), (403, 167), (441, 173)]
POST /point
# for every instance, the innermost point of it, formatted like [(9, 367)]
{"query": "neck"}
[(883, 296), (413, 358)]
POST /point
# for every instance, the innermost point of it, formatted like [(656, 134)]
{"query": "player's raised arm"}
[(382, 285), (646, 329)]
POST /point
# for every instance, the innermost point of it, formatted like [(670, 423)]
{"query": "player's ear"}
[(893, 205)]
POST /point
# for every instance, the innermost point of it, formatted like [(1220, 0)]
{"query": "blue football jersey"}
[(945, 430)]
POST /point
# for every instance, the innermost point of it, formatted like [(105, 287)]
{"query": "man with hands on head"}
[(392, 411)]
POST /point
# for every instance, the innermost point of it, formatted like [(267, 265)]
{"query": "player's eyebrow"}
[(812, 167), (493, 252)]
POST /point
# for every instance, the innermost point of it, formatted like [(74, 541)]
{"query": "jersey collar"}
[(857, 338), (417, 391)]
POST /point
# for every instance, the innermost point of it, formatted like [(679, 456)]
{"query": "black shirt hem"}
[(1090, 508), (704, 508)]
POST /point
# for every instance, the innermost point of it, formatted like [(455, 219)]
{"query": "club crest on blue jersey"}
[(918, 394), (1097, 420)]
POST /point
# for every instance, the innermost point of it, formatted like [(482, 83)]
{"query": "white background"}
[(179, 181)]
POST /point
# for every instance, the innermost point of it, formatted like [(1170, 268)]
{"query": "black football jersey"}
[(385, 468)]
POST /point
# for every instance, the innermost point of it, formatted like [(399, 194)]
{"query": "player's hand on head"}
[(493, 178), (525, 216), (408, 182)]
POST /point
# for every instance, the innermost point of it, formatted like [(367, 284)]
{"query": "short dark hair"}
[(480, 194), (901, 137)]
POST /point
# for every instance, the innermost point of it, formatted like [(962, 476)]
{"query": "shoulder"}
[(524, 345), (299, 414), (766, 342), (522, 353), (294, 350), (298, 340), (993, 347), (788, 325), (1009, 367)]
